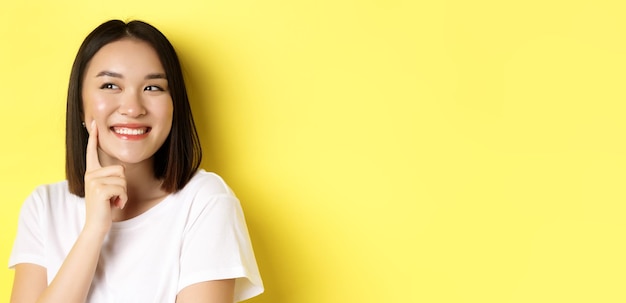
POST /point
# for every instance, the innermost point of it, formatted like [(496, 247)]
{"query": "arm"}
[(105, 188), (29, 282), (218, 291), (71, 283)]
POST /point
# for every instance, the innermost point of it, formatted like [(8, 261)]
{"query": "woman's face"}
[(125, 91)]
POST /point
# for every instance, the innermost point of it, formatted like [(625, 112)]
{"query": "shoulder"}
[(207, 184), (58, 193), (57, 188), (49, 198), (206, 202), (46, 193)]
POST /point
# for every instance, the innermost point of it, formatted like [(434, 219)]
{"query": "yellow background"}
[(383, 150)]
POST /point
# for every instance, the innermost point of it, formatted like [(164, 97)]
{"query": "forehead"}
[(126, 56)]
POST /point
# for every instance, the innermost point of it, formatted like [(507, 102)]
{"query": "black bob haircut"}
[(179, 157)]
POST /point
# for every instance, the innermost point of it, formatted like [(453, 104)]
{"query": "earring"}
[(83, 123)]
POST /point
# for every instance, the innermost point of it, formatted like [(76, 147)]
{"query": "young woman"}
[(136, 220)]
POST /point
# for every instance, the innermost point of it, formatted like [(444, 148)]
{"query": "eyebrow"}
[(109, 74), (118, 75), (156, 76)]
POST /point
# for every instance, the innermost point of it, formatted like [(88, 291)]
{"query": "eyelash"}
[(108, 86), (156, 88), (147, 88)]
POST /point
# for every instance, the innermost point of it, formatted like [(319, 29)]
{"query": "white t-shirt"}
[(197, 234)]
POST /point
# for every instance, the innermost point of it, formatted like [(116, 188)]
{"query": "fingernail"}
[(93, 123)]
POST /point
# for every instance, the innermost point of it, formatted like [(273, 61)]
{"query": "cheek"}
[(96, 106), (165, 112), (167, 118), (101, 106)]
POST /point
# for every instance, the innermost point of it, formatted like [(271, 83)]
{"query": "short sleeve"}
[(216, 245), (29, 244)]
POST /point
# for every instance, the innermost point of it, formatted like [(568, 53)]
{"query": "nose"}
[(131, 105)]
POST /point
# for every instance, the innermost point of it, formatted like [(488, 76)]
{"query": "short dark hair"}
[(179, 157)]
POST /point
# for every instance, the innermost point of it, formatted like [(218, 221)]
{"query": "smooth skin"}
[(119, 181)]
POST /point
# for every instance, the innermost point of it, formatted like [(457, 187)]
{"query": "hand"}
[(105, 187)]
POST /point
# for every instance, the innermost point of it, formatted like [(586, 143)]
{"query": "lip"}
[(130, 131)]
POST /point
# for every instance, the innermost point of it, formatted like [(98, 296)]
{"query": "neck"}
[(141, 185), (143, 189), (140, 181)]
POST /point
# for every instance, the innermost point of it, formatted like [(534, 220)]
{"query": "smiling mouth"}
[(130, 131)]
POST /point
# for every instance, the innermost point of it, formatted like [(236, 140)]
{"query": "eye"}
[(153, 88), (109, 86)]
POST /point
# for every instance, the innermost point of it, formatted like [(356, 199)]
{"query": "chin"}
[(131, 158)]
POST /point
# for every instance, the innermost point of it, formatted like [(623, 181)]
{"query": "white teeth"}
[(129, 131)]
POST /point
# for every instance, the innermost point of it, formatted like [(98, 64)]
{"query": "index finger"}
[(93, 162)]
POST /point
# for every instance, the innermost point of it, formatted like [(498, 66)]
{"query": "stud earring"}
[(83, 123)]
